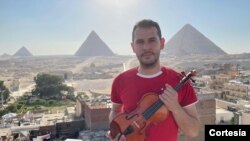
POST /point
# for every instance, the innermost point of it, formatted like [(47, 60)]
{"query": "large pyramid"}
[(23, 52), (94, 46), (189, 41)]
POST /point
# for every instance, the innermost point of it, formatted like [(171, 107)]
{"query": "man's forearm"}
[(112, 115), (115, 110), (188, 124)]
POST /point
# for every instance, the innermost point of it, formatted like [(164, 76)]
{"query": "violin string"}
[(155, 108), (150, 111)]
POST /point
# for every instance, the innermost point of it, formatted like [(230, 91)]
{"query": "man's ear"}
[(162, 43), (132, 45)]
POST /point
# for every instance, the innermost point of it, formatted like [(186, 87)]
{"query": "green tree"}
[(4, 91), (232, 121), (40, 102), (49, 85), (51, 102), (12, 108)]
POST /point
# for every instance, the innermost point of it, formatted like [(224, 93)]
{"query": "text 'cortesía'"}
[(239, 132)]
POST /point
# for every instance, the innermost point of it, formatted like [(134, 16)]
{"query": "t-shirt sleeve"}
[(188, 95), (115, 95)]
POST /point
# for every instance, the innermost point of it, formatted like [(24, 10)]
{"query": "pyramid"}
[(23, 52), (94, 46), (189, 41), (5, 55)]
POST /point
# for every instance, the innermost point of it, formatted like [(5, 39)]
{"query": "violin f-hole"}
[(128, 117)]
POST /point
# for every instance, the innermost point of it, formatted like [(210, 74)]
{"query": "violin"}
[(149, 110)]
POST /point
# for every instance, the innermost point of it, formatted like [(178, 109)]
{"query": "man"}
[(129, 87)]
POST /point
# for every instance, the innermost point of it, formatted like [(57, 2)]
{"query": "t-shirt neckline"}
[(149, 76)]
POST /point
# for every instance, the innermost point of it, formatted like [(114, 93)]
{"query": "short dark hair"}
[(147, 23)]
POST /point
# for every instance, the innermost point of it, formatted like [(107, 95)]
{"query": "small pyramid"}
[(23, 52), (189, 41), (5, 55), (94, 46)]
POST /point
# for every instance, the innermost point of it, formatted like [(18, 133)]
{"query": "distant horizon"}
[(84, 41), (59, 27)]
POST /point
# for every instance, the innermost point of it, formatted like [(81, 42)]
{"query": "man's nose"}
[(146, 46)]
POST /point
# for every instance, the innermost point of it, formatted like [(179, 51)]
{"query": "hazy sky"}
[(49, 27)]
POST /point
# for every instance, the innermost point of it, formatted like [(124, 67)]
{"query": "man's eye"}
[(139, 42), (152, 40)]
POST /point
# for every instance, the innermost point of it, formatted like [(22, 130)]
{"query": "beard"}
[(148, 59)]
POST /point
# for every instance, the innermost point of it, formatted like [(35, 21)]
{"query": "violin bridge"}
[(139, 124)]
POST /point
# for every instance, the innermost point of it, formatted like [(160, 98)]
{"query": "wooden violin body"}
[(149, 111), (134, 124)]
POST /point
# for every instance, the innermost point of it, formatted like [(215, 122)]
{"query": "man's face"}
[(147, 46)]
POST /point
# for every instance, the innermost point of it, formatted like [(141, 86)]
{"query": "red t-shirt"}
[(129, 87)]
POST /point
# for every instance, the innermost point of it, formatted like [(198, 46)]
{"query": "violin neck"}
[(152, 109), (182, 83)]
